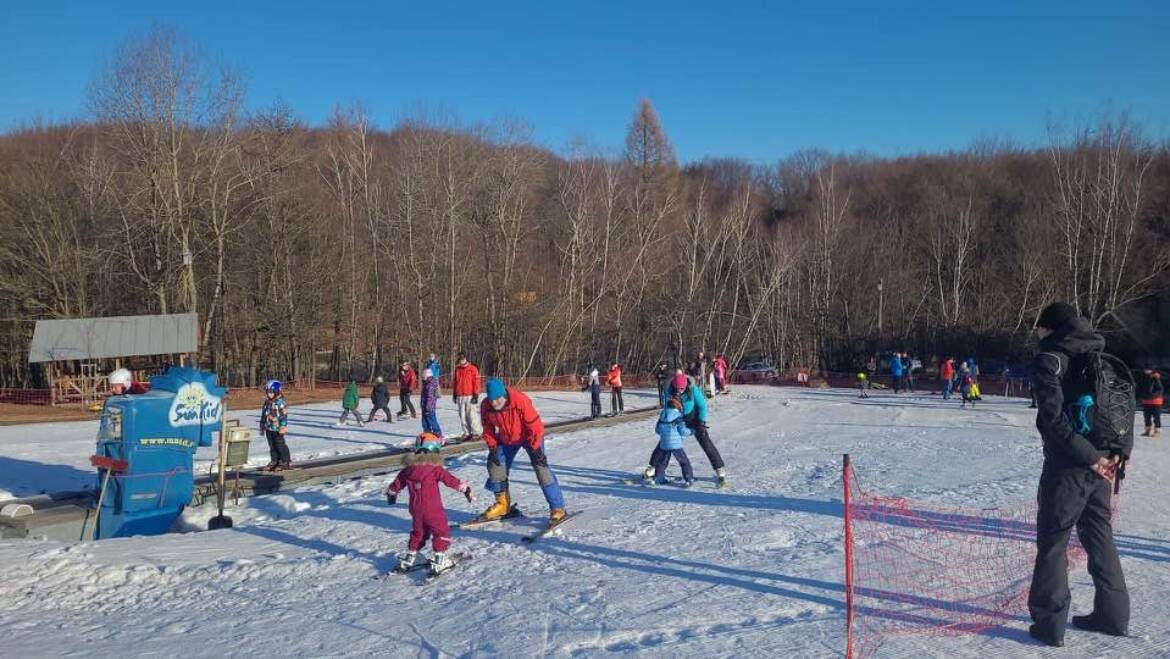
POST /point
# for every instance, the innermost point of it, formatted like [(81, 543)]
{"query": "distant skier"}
[(967, 386), (662, 374), (349, 403), (1150, 397), (407, 381), (421, 476), (380, 399), (274, 426), (593, 386), (429, 402), (896, 371), (465, 394), (671, 429), (862, 385), (511, 423), (433, 364), (946, 376), (614, 380), (721, 368), (908, 372)]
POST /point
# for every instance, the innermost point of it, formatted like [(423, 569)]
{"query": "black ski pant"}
[(1153, 415), (404, 401), (615, 400), (595, 401), (277, 447), (385, 407), (661, 393), (1068, 497)]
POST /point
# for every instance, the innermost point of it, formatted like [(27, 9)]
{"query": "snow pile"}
[(751, 571)]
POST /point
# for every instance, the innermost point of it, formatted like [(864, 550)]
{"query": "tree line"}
[(344, 248)]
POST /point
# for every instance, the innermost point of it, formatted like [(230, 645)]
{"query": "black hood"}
[(1074, 339)]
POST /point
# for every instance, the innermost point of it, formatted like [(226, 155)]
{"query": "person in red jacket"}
[(407, 381), (422, 475), (1150, 397), (511, 423), (946, 373), (465, 393), (614, 380)]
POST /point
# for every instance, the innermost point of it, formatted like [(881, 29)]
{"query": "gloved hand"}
[(469, 494), (475, 399), (391, 497)]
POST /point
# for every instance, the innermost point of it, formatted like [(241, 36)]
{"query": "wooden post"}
[(52, 385)]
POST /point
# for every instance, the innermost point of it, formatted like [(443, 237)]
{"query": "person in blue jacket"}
[(896, 371), (694, 411), (671, 429), (433, 364)]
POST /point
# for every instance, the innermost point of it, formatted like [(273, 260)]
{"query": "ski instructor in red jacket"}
[(510, 422)]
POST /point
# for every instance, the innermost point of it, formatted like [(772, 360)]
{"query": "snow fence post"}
[(846, 468)]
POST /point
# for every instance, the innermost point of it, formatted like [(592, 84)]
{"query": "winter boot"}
[(648, 473), (556, 516), (1157, 432), (1091, 624), (406, 561), (440, 563), (721, 477), (499, 508), (1149, 432)]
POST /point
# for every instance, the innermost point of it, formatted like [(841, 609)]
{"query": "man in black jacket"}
[(1075, 488), (380, 397)]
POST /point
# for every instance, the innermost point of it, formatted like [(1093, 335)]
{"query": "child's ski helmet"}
[(428, 442), (272, 387)]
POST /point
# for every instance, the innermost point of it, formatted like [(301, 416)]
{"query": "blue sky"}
[(756, 80)]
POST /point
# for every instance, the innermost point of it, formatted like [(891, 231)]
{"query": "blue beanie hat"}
[(495, 389)]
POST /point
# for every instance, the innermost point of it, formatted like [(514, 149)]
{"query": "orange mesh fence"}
[(914, 568)]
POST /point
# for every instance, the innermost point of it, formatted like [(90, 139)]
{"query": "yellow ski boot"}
[(498, 509)]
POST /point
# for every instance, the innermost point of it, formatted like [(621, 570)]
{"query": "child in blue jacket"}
[(672, 428)]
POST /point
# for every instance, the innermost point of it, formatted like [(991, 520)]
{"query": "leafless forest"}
[(369, 243)]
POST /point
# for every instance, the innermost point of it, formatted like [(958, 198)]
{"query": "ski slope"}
[(753, 571), (54, 457)]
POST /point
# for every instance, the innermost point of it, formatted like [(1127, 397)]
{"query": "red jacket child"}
[(422, 475)]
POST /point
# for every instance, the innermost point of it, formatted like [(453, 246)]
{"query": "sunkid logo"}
[(194, 405)]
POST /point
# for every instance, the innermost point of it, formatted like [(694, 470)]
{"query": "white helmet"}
[(122, 377)]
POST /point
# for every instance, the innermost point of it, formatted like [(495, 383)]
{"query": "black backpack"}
[(1099, 399)]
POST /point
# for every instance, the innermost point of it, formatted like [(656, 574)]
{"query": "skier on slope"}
[(274, 426), (422, 475), (695, 412), (428, 400), (380, 399), (671, 429), (407, 381), (614, 380), (511, 423), (593, 386), (349, 403), (465, 390)]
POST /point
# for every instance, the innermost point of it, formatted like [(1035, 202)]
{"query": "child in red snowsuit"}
[(422, 475)]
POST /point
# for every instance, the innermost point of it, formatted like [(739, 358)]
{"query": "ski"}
[(550, 529), (455, 560), (513, 513)]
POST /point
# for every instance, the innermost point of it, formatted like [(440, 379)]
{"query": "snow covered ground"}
[(754, 571), (54, 457)]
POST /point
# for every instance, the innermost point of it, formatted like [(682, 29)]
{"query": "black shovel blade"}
[(219, 522)]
